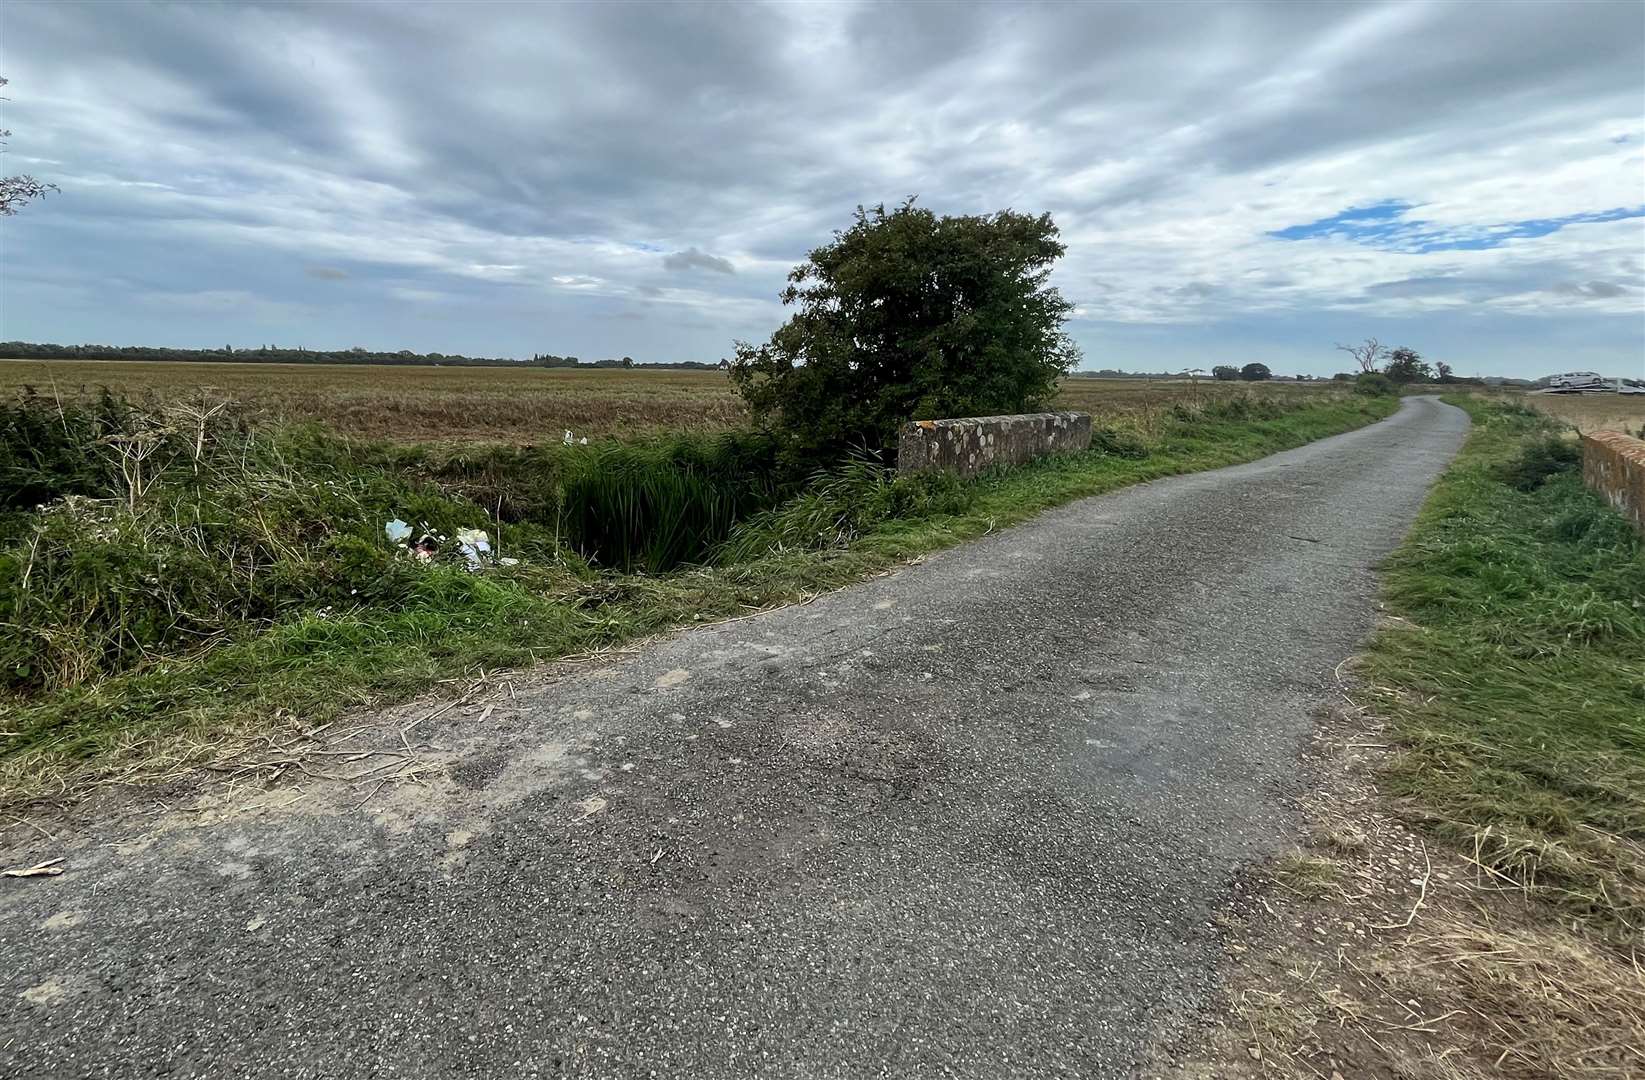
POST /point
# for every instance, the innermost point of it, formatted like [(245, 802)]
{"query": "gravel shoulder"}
[(978, 818)]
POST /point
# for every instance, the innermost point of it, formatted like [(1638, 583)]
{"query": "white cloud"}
[(580, 156)]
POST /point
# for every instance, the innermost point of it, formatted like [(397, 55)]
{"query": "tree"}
[(1405, 366), (1442, 372), (1255, 372), (1368, 355), (628, 361), (17, 191), (908, 315), (1225, 373)]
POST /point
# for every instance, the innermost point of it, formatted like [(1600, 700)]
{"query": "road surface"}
[(974, 819)]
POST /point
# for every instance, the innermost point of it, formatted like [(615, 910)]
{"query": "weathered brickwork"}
[(970, 445), (1613, 464)]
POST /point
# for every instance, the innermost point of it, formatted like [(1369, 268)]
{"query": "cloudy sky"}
[(1234, 182)]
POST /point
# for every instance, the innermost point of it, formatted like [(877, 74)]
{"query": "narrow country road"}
[(973, 819)]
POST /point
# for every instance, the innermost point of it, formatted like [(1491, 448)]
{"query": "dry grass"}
[(1140, 404), (1590, 412), (524, 405), (1551, 1002), (1374, 954)]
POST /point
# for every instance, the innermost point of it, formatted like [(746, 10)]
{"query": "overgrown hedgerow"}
[(215, 534)]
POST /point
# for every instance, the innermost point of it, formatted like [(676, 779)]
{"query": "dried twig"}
[(32, 825)]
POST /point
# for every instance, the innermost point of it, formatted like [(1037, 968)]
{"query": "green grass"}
[(295, 608), (1517, 690)]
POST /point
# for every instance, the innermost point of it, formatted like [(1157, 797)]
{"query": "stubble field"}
[(416, 404), (1594, 412), (521, 406)]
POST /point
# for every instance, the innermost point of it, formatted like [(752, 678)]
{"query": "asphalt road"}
[(973, 819)]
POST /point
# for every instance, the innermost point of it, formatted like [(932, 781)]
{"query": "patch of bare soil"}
[(1376, 954)]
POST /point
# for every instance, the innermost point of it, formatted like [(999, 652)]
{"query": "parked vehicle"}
[(1578, 380)]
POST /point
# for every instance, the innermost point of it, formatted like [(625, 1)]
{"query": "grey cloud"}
[(423, 141), (326, 273), (1602, 290), (693, 259), (1424, 286)]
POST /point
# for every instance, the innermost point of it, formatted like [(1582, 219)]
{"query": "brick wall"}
[(1613, 464), (970, 445)]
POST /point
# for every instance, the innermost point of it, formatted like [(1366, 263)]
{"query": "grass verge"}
[(346, 622), (1484, 921), (1516, 685)]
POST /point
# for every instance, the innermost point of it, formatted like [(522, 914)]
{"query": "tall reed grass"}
[(656, 506)]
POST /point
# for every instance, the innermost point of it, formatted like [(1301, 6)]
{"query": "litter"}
[(49, 868), (473, 543)]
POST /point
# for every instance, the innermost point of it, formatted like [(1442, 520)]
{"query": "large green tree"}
[(906, 315), (1406, 365)]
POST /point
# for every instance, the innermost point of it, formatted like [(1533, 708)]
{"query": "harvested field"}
[(525, 405), (1594, 412), (1141, 403), (419, 404)]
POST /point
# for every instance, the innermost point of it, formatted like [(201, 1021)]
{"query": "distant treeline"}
[(1116, 373), (271, 354)]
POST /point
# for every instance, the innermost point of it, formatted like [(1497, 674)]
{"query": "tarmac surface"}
[(977, 818)]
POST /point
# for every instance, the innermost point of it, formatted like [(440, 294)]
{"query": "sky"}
[(1234, 182)]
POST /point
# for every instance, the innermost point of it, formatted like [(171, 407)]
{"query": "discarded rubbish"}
[(568, 439), (473, 543), (49, 868)]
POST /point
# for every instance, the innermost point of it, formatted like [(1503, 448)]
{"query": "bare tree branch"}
[(16, 191), (1368, 355)]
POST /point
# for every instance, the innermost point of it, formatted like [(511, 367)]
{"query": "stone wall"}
[(970, 445), (1613, 464)]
